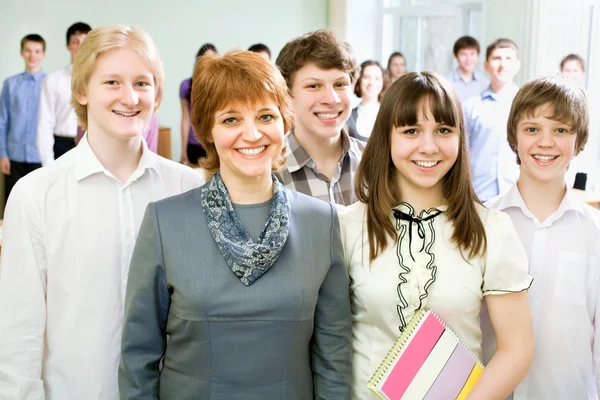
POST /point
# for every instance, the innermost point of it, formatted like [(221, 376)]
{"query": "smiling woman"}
[(236, 271)]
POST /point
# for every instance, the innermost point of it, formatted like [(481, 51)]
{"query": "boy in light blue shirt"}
[(466, 81), (492, 161), (19, 104)]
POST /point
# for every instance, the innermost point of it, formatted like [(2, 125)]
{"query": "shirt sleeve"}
[(22, 299), (147, 305), (184, 89), (4, 120), (468, 124), (596, 348), (506, 263), (46, 123), (331, 346)]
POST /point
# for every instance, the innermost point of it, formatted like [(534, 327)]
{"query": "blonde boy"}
[(547, 127), (70, 228)]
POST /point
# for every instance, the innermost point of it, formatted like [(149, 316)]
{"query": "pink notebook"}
[(428, 361)]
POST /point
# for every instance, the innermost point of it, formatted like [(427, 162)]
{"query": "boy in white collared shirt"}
[(57, 122), (548, 126), (70, 228)]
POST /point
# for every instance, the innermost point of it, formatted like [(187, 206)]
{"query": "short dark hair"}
[(322, 48), (260, 48), (465, 42), (33, 37), (77, 27), (501, 43), (364, 65), (573, 57), (204, 48)]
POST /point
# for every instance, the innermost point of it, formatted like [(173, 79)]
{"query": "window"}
[(425, 31)]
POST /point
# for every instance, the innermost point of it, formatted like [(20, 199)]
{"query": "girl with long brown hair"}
[(419, 239)]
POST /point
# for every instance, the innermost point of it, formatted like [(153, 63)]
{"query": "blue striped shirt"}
[(19, 106)]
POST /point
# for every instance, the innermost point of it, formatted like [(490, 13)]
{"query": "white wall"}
[(356, 22), (510, 19), (179, 28)]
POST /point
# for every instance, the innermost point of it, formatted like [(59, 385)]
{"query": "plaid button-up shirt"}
[(301, 173)]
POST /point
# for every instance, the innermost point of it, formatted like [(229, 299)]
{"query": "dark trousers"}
[(195, 152), (62, 144), (17, 171)]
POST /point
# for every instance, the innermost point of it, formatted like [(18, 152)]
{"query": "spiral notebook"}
[(428, 361)]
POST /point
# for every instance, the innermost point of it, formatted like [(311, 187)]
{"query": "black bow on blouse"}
[(400, 215)]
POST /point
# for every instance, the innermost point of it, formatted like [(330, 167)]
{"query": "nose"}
[(546, 139), (428, 144), (330, 96), (250, 132), (129, 97)]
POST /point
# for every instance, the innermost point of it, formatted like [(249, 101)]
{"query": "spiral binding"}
[(401, 342)]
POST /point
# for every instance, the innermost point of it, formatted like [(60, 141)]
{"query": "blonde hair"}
[(107, 38), (237, 77)]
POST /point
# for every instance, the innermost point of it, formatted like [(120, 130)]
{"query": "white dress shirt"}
[(57, 115), (564, 254), (439, 278), (69, 232)]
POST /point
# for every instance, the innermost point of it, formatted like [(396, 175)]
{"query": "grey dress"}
[(286, 336)]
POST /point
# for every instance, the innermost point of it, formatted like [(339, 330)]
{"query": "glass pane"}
[(439, 34), (475, 29), (391, 3), (388, 37), (476, 24), (410, 43)]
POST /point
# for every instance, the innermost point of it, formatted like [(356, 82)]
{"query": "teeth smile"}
[(252, 152), (125, 114), (426, 164), (327, 115), (544, 158)]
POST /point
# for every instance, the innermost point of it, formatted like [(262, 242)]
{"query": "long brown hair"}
[(374, 182)]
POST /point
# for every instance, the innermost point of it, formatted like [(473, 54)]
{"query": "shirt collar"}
[(297, 157), (38, 76), (457, 77), (513, 199), (88, 164), (509, 92)]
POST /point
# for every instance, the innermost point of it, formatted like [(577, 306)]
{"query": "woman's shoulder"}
[(354, 213), (492, 219), (179, 203), (310, 211)]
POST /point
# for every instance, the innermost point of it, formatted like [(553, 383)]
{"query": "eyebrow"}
[(321, 79), (239, 112), (120, 76)]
